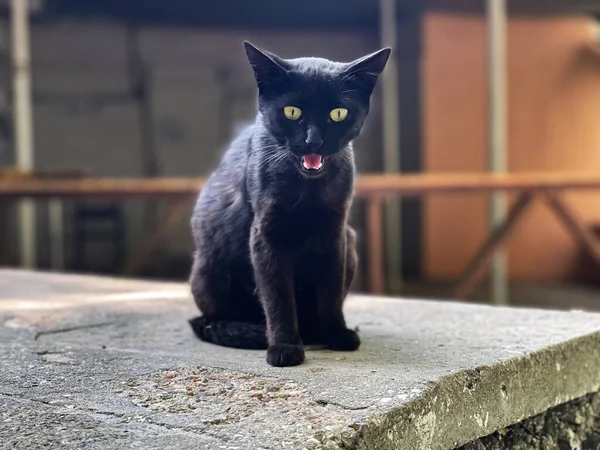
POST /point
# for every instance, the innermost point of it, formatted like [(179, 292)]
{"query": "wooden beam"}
[(419, 184), (366, 185), (100, 187), (577, 229), (476, 268)]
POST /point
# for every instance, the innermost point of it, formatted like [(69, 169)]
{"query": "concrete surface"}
[(555, 296), (111, 364)]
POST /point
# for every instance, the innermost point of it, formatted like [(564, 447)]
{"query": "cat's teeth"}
[(312, 168), (312, 162)]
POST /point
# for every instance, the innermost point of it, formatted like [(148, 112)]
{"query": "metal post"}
[(497, 132), (391, 141), (23, 124), (57, 236)]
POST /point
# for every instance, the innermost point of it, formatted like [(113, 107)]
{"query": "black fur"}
[(275, 256)]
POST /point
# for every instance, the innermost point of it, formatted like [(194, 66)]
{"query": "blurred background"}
[(149, 88)]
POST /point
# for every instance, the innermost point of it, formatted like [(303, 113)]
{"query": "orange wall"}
[(554, 124)]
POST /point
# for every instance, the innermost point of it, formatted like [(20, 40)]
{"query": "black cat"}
[(272, 240)]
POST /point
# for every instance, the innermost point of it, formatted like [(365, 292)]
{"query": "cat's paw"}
[(344, 340), (285, 355), (200, 325)]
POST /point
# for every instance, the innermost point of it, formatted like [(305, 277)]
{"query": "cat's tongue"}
[(312, 161)]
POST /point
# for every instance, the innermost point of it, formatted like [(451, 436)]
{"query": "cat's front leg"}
[(332, 287), (273, 273)]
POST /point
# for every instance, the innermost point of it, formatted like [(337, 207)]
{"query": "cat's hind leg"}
[(231, 315), (244, 335)]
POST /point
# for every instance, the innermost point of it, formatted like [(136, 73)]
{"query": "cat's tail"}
[(246, 335)]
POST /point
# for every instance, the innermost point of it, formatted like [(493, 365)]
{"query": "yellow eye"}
[(338, 114), (292, 112)]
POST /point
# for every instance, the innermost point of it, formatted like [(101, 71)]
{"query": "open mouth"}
[(312, 163)]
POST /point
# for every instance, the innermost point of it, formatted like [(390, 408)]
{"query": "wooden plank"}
[(367, 185), (476, 268), (374, 237), (101, 187), (576, 227), (406, 185), (16, 173), (380, 186)]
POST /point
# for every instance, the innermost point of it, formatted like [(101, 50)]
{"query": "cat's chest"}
[(309, 214), (315, 195), (307, 227)]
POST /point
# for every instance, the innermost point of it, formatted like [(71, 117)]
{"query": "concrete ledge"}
[(473, 403), (112, 364)]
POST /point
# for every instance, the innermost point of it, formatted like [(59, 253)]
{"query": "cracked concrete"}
[(68, 329), (65, 428), (106, 363)]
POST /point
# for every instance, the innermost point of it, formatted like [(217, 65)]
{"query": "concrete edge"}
[(467, 405)]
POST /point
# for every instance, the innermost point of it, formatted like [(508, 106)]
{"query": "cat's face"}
[(314, 107)]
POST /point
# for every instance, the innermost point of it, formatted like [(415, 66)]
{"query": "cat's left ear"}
[(367, 69)]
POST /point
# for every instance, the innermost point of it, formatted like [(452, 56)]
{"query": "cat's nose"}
[(313, 146), (313, 140)]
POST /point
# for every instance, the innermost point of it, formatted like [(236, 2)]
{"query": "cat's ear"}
[(268, 68), (367, 69)]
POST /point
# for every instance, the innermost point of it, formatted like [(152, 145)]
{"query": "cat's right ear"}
[(367, 69), (268, 68)]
